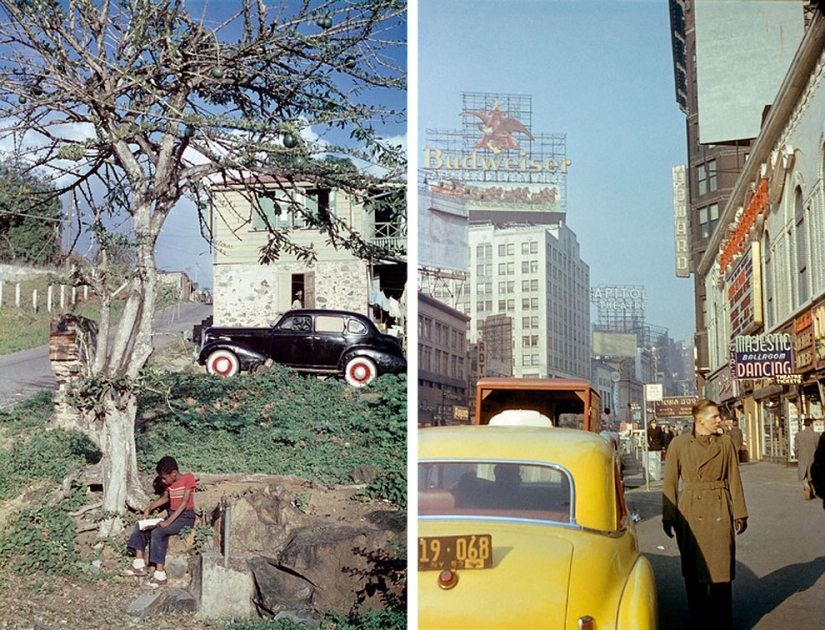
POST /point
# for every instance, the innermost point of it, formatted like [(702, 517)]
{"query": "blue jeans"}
[(158, 537)]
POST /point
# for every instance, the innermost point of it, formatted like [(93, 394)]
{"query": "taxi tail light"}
[(587, 623)]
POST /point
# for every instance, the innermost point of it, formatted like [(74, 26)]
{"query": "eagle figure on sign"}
[(498, 130)]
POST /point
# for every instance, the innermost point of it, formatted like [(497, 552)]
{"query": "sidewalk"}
[(780, 559)]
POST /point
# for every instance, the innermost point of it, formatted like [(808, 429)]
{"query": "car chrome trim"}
[(503, 519)]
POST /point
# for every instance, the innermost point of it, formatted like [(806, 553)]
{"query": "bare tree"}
[(132, 105)]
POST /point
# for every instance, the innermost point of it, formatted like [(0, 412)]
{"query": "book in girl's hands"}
[(148, 523)]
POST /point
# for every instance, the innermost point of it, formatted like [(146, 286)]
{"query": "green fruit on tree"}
[(327, 22), (290, 141), (189, 131), (217, 73), (22, 99), (350, 62)]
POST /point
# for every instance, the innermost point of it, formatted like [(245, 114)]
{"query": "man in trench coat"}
[(706, 514), (806, 442)]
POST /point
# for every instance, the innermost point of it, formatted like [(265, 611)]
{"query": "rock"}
[(321, 568), (364, 474), (299, 617), (162, 601), (262, 521), (388, 519)]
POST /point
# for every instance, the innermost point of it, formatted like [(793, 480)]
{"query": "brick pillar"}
[(71, 346)]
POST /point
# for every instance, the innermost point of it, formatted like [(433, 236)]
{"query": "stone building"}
[(249, 293)]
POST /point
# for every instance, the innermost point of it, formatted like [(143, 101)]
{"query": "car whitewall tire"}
[(222, 363), (360, 371)]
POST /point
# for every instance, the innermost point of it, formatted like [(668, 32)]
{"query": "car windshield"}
[(497, 489)]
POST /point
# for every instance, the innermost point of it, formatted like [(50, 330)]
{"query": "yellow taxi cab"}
[(527, 527)]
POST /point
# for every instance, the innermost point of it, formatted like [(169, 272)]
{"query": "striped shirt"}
[(176, 491)]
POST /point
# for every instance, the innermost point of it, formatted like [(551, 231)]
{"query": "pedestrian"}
[(706, 515), (806, 442), (178, 493), (731, 427), (298, 302), (655, 443), (667, 438)]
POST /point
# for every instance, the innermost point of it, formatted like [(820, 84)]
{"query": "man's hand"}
[(668, 527), (740, 524)]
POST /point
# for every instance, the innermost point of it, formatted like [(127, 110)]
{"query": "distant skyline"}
[(601, 74)]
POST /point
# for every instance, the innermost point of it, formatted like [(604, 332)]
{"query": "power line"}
[(32, 216)]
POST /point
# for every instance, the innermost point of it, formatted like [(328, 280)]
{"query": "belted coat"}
[(806, 443), (705, 507)]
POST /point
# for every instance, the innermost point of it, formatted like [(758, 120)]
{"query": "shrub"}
[(278, 423)]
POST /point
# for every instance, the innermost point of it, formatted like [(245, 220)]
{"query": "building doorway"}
[(302, 290)]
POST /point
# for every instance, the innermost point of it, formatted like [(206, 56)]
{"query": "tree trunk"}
[(113, 432)]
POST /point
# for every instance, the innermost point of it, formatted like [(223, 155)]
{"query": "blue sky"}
[(601, 73), (180, 247)]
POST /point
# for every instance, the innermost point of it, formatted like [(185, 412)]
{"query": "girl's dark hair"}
[(166, 465)]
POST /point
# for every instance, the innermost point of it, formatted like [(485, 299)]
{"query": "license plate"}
[(436, 553)]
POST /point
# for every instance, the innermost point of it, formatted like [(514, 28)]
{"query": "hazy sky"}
[(601, 73)]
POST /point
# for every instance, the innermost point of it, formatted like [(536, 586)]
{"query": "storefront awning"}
[(767, 392)]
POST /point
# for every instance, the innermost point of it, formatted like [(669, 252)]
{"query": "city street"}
[(780, 561)]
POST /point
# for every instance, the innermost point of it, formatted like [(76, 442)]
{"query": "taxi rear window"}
[(494, 489)]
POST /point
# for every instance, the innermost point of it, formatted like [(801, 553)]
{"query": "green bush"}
[(386, 619), (34, 454), (40, 539), (278, 423)]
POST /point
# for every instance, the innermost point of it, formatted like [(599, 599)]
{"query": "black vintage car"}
[(310, 340)]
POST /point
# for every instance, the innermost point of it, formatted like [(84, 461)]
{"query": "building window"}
[(801, 249), (768, 281), (708, 220), (282, 211), (706, 177)]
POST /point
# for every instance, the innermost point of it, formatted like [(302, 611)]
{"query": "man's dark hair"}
[(808, 422), (166, 465)]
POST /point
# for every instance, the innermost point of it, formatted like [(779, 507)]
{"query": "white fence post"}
[(62, 297), (17, 295), (1, 293), (49, 298), (74, 295), (34, 300)]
